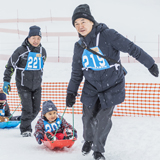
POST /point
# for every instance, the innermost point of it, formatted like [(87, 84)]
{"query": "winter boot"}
[(98, 156), (86, 147), (26, 134)]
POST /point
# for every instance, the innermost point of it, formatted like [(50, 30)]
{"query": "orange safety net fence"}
[(142, 99)]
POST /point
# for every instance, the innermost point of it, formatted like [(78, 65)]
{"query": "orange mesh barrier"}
[(142, 99)]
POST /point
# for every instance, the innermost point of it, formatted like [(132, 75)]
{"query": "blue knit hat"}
[(48, 106), (34, 31)]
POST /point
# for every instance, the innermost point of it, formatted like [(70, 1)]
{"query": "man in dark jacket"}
[(104, 85), (28, 60)]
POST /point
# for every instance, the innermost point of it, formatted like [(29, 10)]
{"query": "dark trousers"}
[(30, 101), (97, 125)]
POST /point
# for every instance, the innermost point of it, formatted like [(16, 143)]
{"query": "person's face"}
[(83, 26), (34, 40), (51, 116)]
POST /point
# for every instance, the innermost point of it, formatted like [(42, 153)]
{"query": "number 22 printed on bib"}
[(34, 61)]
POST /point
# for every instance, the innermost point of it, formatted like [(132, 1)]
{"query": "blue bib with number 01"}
[(94, 62), (34, 61), (53, 126), (2, 112)]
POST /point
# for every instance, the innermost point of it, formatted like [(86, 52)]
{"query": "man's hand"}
[(70, 99)]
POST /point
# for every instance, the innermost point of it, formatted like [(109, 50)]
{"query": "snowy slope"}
[(130, 139)]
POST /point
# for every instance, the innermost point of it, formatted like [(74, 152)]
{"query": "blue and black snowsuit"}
[(28, 62), (104, 87)]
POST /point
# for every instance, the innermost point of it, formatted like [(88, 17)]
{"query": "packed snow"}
[(131, 138)]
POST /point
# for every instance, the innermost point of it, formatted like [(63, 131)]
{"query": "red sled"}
[(59, 144)]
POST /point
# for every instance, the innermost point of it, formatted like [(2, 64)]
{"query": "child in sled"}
[(49, 122), (5, 111)]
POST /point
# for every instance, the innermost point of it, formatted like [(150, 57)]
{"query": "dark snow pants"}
[(96, 125), (30, 101)]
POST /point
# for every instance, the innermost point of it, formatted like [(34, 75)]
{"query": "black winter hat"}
[(2, 97), (48, 106), (83, 11), (34, 31)]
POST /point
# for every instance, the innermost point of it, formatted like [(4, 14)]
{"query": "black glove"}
[(39, 137), (49, 136), (70, 99), (68, 133), (18, 118), (154, 70)]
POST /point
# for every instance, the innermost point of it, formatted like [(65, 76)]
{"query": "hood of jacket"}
[(96, 29)]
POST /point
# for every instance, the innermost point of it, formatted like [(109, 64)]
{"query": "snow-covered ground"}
[(131, 138)]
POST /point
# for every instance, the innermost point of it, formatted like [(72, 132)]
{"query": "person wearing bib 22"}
[(28, 61), (104, 84)]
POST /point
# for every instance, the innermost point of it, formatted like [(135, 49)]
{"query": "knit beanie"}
[(48, 106), (83, 11), (34, 31), (2, 96)]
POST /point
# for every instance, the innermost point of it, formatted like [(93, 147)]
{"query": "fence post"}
[(134, 42), (17, 24), (51, 14), (58, 47), (46, 34), (158, 45)]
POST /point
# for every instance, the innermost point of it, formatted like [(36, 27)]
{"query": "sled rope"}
[(14, 111), (61, 121), (73, 119)]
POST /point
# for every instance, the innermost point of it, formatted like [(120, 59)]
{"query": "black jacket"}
[(109, 84), (30, 79), (5, 106)]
